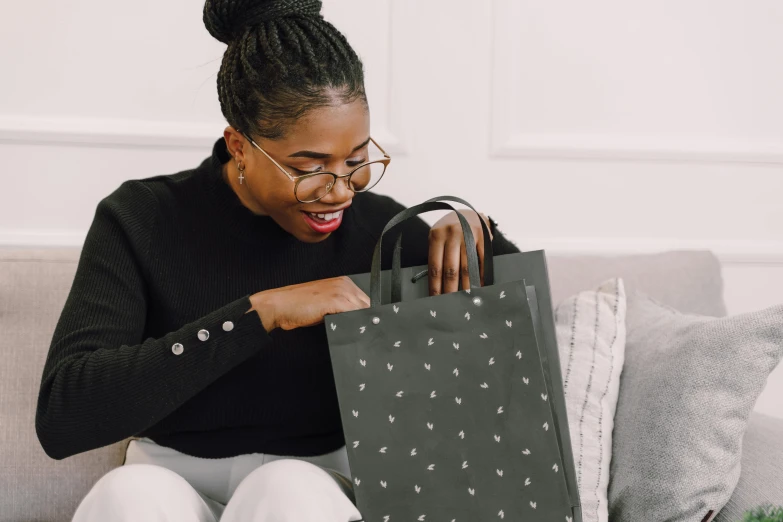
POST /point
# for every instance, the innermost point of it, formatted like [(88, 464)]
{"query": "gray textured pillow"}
[(761, 481), (688, 386)]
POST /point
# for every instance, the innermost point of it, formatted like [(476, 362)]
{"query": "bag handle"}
[(470, 245), (489, 264)]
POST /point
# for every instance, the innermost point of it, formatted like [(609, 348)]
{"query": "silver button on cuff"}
[(177, 348), (376, 320), (203, 335), (228, 326), (477, 301)]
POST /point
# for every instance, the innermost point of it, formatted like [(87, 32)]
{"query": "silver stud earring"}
[(241, 172)]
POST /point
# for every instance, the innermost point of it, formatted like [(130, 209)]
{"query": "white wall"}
[(606, 126)]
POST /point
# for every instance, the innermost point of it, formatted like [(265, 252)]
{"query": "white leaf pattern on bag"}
[(333, 326), (469, 352)]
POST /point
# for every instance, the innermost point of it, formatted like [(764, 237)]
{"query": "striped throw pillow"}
[(591, 339)]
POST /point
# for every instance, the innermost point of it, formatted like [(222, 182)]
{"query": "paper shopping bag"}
[(448, 402)]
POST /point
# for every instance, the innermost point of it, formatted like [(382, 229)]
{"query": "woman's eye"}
[(302, 172), (354, 163)]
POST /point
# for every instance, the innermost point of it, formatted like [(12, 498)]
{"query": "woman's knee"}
[(142, 492), (288, 490)]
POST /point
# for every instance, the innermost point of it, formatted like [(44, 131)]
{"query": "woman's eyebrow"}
[(322, 155)]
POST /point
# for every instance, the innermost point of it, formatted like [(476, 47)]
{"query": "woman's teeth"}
[(327, 217)]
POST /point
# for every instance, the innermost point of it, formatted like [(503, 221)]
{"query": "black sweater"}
[(170, 255)]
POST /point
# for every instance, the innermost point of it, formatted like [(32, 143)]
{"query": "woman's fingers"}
[(435, 264), (451, 264), (463, 266)]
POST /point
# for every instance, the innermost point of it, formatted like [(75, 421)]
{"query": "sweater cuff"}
[(220, 337)]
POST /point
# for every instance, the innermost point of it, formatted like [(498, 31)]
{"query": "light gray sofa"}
[(35, 283)]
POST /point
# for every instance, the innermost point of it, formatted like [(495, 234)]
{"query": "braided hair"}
[(283, 60)]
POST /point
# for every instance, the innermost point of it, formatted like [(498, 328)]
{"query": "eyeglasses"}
[(313, 186)]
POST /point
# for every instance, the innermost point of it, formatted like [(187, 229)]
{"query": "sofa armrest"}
[(761, 478)]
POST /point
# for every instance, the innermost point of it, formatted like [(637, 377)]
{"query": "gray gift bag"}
[(452, 405)]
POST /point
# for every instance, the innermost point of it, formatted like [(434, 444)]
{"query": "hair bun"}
[(226, 19)]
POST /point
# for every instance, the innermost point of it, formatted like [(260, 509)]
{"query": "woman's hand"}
[(305, 304), (448, 259)]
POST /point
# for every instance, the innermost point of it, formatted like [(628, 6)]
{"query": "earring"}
[(241, 172)]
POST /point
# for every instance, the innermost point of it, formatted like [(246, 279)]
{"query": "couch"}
[(34, 284)]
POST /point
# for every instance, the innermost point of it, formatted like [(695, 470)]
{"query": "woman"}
[(195, 317)]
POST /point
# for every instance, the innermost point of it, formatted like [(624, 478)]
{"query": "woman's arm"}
[(103, 381)]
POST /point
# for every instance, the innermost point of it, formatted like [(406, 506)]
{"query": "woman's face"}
[(333, 139)]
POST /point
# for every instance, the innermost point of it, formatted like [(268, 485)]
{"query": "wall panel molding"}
[(127, 133), (507, 140)]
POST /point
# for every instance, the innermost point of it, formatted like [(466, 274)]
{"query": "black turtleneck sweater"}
[(169, 256)]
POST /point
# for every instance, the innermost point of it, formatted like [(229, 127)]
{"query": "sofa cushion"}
[(689, 281), (688, 387), (33, 289)]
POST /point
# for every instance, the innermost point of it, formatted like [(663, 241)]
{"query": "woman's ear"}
[(235, 143)]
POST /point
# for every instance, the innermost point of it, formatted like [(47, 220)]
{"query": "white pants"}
[(159, 484)]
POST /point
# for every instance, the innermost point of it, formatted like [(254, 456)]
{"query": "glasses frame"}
[(298, 179)]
